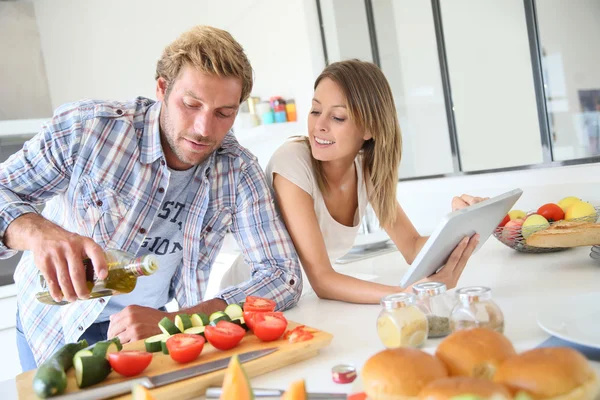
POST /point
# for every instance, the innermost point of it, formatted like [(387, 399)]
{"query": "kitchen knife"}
[(115, 389), (215, 393)]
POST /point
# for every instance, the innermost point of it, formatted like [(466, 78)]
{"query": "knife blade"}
[(124, 387), (215, 393)]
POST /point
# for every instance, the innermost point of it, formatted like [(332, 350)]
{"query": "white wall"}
[(427, 201), (492, 83), (572, 43), (108, 49), (22, 75)]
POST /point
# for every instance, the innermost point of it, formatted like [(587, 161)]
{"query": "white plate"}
[(576, 319)]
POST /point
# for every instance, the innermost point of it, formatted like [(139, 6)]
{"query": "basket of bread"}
[(479, 364), (569, 223)]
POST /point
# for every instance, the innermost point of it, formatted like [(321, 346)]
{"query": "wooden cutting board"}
[(287, 354)]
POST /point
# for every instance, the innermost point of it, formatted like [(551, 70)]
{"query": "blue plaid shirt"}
[(100, 169)]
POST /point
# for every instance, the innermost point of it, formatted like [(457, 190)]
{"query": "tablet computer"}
[(481, 218)]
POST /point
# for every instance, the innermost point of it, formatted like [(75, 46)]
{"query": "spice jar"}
[(436, 303), (475, 308), (401, 323)]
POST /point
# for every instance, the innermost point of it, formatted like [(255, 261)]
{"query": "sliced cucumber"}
[(215, 315), (163, 345), (90, 370), (153, 343), (234, 311), (223, 317), (196, 330), (183, 322), (106, 347), (200, 319), (168, 327), (241, 322)]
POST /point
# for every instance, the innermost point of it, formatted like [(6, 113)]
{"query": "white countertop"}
[(520, 283)]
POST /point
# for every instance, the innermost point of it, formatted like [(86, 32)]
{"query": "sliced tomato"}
[(249, 319), (258, 304), (269, 326), (298, 334), (184, 347), (225, 335), (130, 362)]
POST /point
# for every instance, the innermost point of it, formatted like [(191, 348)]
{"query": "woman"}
[(350, 158)]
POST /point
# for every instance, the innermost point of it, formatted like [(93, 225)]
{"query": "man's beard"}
[(169, 135)]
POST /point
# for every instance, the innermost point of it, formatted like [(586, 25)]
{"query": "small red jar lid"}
[(343, 373)]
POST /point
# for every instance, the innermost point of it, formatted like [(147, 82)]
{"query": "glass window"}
[(568, 36)]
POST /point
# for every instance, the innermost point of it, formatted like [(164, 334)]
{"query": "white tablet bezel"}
[(481, 218)]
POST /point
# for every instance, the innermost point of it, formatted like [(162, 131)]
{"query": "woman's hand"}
[(451, 272), (465, 200)]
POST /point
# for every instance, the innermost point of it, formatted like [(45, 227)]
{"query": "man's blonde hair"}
[(210, 50), (371, 106)]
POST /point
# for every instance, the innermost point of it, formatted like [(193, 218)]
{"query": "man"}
[(165, 178)]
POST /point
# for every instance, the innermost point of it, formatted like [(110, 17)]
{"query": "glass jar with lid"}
[(401, 323), (437, 304), (475, 308)]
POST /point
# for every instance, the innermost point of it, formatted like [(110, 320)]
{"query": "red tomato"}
[(552, 212), (504, 221), (129, 362), (258, 304), (225, 335), (269, 326), (184, 347), (249, 319), (298, 334)]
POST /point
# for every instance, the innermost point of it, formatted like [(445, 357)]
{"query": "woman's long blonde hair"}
[(371, 106)]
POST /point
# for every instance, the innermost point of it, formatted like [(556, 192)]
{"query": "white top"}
[(293, 162)]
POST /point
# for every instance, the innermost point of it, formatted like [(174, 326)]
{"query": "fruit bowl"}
[(513, 237)]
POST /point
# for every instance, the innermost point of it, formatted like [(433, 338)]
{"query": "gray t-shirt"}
[(165, 242)]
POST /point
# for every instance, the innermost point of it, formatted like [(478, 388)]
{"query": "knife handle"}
[(215, 393)]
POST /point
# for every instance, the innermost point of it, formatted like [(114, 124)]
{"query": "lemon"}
[(568, 202)]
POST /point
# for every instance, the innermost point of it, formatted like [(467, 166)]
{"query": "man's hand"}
[(465, 200), (58, 254), (135, 323)]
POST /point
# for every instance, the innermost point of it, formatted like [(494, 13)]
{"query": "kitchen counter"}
[(520, 283)]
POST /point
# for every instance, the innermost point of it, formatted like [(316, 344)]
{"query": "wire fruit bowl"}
[(513, 236)]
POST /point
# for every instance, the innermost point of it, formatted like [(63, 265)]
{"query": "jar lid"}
[(398, 300), (429, 288), (474, 293)]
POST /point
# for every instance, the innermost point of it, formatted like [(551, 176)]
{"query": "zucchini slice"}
[(153, 343), (168, 327), (215, 315), (234, 311), (183, 322), (223, 317), (163, 345), (199, 319), (196, 330), (90, 370), (240, 321), (104, 348)]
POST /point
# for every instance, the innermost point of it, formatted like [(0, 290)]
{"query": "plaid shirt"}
[(100, 169)]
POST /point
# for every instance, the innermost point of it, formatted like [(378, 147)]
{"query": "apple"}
[(568, 202), (581, 210), (516, 214), (512, 230), (504, 221), (533, 224)]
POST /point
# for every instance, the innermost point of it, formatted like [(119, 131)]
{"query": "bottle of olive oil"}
[(123, 272)]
